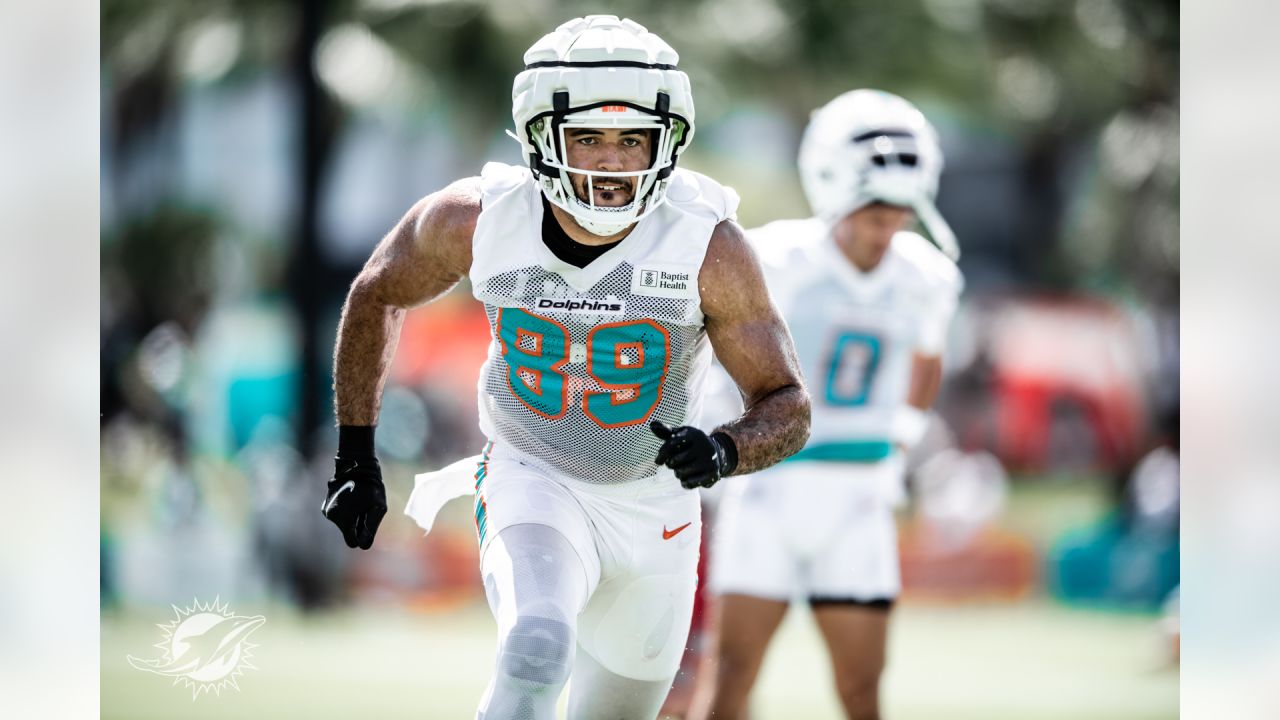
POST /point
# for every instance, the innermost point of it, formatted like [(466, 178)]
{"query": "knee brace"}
[(538, 650)]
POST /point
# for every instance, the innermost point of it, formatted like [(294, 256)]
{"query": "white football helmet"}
[(600, 71), (867, 146)]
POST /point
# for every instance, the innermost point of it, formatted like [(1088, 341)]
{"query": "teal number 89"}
[(627, 359)]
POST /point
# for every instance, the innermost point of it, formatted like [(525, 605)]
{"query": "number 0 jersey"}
[(582, 359), (856, 332)]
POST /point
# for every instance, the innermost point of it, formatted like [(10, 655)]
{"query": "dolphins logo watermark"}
[(205, 648)]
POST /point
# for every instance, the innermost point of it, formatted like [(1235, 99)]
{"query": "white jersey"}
[(582, 359), (856, 332), (826, 530)]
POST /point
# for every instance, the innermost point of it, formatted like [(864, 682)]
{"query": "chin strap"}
[(600, 228), (935, 225), (939, 231)]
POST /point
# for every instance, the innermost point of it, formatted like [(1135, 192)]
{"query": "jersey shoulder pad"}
[(927, 264), (695, 193), (498, 179)]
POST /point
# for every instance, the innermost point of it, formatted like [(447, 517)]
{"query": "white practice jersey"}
[(856, 332), (582, 359)]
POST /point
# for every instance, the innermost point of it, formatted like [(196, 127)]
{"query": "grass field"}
[(1031, 661)]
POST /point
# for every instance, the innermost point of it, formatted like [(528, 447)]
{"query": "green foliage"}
[(166, 262)]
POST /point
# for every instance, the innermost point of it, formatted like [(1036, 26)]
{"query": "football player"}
[(608, 275), (868, 303)]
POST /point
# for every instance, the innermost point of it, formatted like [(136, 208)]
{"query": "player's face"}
[(608, 150), (864, 235)]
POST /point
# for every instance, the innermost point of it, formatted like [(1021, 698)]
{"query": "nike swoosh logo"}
[(668, 534), (348, 485)]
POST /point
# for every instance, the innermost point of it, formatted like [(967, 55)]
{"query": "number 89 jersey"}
[(856, 332), (582, 359)]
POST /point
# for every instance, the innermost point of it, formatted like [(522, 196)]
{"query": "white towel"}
[(432, 490)]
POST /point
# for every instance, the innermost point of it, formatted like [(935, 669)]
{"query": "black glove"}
[(357, 499), (699, 459)]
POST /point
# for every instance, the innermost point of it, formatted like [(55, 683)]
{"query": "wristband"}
[(728, 452), (909, 425), (355, 441)]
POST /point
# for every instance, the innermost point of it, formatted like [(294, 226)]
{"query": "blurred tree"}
[(157, 272), (1048, 74), (1078, 96)]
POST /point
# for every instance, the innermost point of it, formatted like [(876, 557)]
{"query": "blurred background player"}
[(868, 304), (607, 276)]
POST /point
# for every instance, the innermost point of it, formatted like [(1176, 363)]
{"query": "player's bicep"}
[(426, 253), (748, 334)]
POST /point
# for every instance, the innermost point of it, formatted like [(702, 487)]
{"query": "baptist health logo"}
[(205, 647)]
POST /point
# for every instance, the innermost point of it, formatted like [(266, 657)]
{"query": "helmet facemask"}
[(899, 169), (886, 166), (548, 135), (893, 168)]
